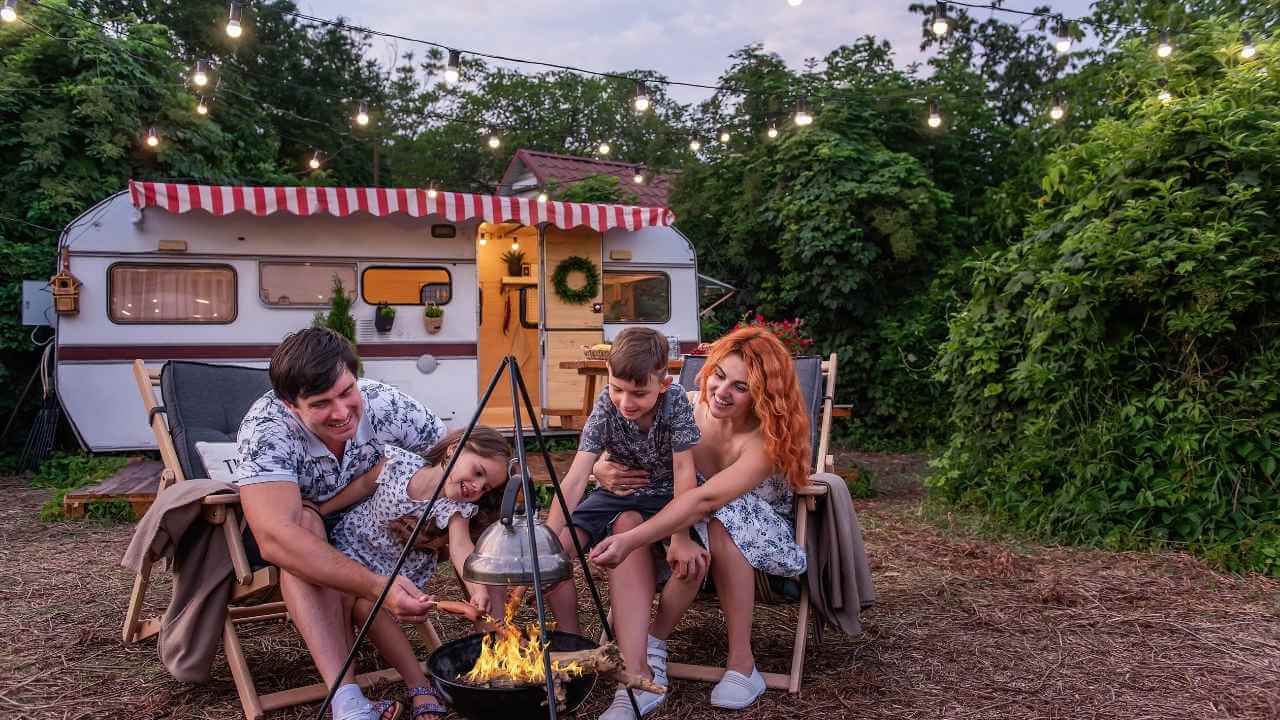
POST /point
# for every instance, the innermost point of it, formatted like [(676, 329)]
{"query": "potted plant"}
[(384, 317), (514, 259), (433, 317)]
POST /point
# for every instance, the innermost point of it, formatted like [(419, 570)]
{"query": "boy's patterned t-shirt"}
[(274, 445), (673, 430)]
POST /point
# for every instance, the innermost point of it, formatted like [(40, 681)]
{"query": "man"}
[(319, 429)]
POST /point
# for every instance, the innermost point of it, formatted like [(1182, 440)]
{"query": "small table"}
[(590, 370)]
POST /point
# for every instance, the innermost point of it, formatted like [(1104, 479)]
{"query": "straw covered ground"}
[(965, 627)]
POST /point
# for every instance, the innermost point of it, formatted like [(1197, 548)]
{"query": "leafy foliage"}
[(339, 318), (64, 472), (1113, 378)]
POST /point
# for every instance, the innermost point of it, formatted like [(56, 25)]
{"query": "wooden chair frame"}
[(224, 510), (806, 501)]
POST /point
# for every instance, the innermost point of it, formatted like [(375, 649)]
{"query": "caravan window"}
[(140, 293), (302, 284), (406, 285), (637, 297)]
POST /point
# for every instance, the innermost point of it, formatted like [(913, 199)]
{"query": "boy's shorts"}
[(597, 512)]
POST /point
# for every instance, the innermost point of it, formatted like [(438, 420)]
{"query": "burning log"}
[(606, 661)]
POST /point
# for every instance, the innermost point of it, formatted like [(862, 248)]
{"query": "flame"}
[(513, 655)]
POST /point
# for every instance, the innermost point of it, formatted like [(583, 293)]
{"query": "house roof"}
[(567, 169)]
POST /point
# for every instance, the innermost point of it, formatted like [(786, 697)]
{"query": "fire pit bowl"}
[(477, 702)]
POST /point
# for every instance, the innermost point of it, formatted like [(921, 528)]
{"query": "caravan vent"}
[(365, 332)]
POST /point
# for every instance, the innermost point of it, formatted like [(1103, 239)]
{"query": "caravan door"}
[(567, 327)]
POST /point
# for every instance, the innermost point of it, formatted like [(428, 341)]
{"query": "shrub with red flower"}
[(790, 332)]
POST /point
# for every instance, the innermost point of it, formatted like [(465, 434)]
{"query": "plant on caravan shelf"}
[(514, 260), (384, 316), (433, 318), (339, 318)]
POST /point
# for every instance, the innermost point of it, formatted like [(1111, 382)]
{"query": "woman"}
[(755, 450)]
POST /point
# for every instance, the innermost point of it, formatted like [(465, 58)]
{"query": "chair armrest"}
[(221, 499), (812, 490)]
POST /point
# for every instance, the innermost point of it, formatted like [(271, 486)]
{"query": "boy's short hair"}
[(309, 362), (637, 354)]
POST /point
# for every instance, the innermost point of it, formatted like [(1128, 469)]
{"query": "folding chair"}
[(203, 402), (817, 379)]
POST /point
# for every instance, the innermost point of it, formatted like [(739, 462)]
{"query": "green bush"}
[(64, 472), (1115, 378)]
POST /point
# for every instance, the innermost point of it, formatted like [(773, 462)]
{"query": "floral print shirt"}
[(273, 445), (673, 430)]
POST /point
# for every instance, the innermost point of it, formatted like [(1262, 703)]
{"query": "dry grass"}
[(964, 628)]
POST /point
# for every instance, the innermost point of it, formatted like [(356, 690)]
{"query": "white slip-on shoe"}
[(736, 691), (657, 656), (620, 708)]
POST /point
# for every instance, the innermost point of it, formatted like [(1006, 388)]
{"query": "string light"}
[(233, 20), (201, 76), (9, 13), (935, 117), (542, 197), (314, 163), (641, 101), (940, 23), (153, 139), (1058, 111), (432, 192), (638, 177), (453, 68), (802, 117), (494, 142), (1063, 43), (1247, 51), (1164, 94), (724, 136), (695, 145), (604, 148), (203, 107), (772, 132), (515, 243), (362, 115), (1165, 48)]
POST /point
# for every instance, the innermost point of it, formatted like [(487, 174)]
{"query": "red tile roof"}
[(565, 169)]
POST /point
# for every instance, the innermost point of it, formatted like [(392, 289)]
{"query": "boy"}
[(646, 423)]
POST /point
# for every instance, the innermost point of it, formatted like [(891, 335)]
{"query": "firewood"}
[(606, 660)]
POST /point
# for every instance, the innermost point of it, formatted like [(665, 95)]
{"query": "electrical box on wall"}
[(37, 303)]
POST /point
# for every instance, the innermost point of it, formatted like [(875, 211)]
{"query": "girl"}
[(405, 484)]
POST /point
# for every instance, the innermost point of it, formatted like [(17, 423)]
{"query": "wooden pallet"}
[(136, 483)]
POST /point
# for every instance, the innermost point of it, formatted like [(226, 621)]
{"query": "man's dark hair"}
[(309, 362), (638, 354)]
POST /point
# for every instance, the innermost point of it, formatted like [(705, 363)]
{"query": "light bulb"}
[(1164, 95), (203, 107), (724, 137), (1248, 50), (9, 13), (542, 197), (152, 138), (494, 142), (1057, 112), (432, 193), (1165, 48), (362, 115), (1063, 44), (451, 74), (940, 25), (604, 148), (794, 3), (638, 178), (314, 163), (935, 120), (201, 76), (233, 20), (694, 145), (515, 244), (641, 101), (772, 132), (803, 118)]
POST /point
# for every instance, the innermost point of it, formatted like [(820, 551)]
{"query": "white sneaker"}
[(620, 708), (657, 655), (736, 691)]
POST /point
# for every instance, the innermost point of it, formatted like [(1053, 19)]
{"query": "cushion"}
[(219, 459), (205, 403)]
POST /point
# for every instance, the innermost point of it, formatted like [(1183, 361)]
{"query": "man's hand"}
[(610, 552), (406, 602), (687, 558), (618, 479)]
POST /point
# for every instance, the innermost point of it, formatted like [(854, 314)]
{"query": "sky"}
[(687, 40)]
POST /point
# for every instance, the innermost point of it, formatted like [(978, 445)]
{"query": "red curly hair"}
[(775, 397)]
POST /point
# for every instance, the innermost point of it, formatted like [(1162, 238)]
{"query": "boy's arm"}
[(573, 486), (355, 491), (686, 479)]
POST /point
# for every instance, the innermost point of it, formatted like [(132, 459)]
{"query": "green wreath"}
[(572, 264)]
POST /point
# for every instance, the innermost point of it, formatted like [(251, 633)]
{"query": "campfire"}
[(511, 656)]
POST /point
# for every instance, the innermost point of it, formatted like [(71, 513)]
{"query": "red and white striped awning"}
[(341, 202)]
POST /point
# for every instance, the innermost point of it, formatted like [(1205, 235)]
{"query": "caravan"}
[(220, 274)]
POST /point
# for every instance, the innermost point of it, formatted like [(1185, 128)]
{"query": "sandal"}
[(428, 708), (383, 707)]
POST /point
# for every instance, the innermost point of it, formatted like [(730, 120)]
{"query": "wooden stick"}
[(606, 660)]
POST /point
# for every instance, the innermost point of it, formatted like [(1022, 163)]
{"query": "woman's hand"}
[(686, 558), (617, 478), (610, 552)]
